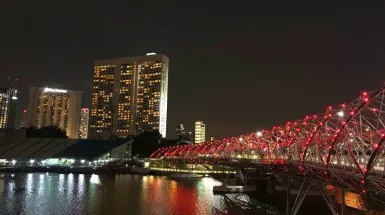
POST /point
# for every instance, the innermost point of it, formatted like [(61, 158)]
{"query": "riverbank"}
[(84, 170), (90, 170), (67, 170)]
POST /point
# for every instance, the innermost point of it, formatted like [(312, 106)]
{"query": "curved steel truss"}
[(343, 145)]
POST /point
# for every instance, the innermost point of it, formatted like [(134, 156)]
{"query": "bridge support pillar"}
[(303, 191), (241, 177), (329, 201), (301, 196), (288, 206), (342, 201)]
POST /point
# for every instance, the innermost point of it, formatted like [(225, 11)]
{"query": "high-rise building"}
[(84, 119), (129, 96), (55, 107), (180, 132), (182, 135), (200, 132), (8, 98), (24, 119)]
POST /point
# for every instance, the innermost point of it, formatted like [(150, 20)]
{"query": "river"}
[(51, 194)]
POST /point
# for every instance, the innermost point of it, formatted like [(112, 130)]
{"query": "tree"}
[(149, 141), (146, 142), (46, 132)]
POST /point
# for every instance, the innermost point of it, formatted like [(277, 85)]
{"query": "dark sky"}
[(239, 67)]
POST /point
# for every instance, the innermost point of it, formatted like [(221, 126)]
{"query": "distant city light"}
[(340, 113), (151, 53), (240, 139), (32, 161), (54, 90), (82, 161), (14, 98), (13, 162)]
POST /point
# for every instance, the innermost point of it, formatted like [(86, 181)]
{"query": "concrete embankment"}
[(67, 170)]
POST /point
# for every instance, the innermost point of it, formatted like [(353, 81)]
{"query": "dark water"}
[(51, 194), (46, 193)]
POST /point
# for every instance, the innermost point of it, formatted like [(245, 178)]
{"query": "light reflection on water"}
[(353, 200), (38, 193)]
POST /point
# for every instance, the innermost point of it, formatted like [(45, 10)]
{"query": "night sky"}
[(238, 67)]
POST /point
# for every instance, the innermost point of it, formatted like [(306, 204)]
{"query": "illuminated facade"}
[(200, 132), (55, 107), (84, 119), (129, 96), (8, 98)]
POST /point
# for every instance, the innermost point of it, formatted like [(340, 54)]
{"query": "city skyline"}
[(252, 69)]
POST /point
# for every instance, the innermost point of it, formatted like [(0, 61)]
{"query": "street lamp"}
[(340, 113), (259, 134)]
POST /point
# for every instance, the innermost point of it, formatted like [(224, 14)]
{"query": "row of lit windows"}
[(105, 66), (119, 130)]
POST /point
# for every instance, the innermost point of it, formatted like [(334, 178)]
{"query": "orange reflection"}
[(353, 200), (153, 194), (184, 201)]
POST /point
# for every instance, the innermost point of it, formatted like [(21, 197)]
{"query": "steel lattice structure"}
[(344, 145)]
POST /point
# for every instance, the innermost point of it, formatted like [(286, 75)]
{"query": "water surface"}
[(51, 193)]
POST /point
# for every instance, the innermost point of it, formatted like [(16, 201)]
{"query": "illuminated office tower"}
[(55, 107), (8, 98), (200, 132), (84, 119), (129, 96)]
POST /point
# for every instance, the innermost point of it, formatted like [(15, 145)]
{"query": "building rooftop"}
[(89, 149), (43, 148)]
